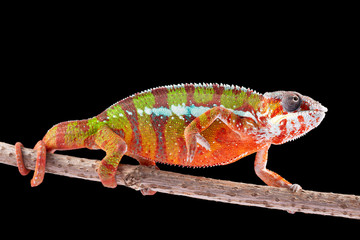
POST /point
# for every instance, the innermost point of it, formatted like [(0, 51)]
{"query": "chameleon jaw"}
[(277, 119), (291, 126)]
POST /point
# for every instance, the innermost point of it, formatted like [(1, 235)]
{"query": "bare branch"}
[(140, 177)]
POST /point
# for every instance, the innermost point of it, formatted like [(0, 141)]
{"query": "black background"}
[(73, 67)]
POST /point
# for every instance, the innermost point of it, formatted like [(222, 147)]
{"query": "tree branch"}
[(140, 177)]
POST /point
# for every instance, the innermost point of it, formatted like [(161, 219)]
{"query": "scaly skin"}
[(193, 125)]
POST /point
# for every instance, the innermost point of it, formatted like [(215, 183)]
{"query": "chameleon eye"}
[(291, 102)]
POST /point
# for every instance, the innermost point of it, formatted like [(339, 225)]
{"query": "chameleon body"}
[(192, 125)]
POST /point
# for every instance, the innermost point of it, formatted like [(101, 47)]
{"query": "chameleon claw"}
[(291, 212), (147, 192), (295, 188)]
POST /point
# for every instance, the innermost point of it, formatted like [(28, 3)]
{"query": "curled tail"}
[(63, 136), (40, 162)]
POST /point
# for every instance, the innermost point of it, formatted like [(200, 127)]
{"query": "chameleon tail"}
[(40, 162), (69, 135), (63, 136)]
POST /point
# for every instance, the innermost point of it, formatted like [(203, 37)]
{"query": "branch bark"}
[(140, 177)]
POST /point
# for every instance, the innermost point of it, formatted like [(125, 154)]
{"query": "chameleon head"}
[(292, 115)]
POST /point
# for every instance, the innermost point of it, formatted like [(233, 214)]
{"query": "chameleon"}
[(191, 125)]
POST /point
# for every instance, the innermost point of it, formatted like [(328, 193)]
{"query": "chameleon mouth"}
[(310, 114), (315, 105), (321, 108), (318, 113)]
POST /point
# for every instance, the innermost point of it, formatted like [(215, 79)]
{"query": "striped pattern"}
[(194, 125)]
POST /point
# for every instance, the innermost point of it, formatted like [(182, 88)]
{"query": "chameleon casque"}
[(192, 125)]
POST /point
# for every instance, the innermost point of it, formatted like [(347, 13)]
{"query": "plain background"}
[(63, 69)]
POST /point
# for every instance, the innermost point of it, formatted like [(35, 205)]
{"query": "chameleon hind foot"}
[(107, 174), (40, 162), (115, 148)]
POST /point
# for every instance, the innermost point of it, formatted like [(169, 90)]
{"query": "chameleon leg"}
[(40, 162), (115, 147), (269, 177), (199, 124)]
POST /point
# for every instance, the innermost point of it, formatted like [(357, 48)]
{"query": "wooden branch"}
[(140, 177)]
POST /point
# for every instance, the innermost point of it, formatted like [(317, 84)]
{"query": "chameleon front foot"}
[(295, 188)]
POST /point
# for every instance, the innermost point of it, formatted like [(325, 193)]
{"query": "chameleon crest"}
[(193, 125)]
